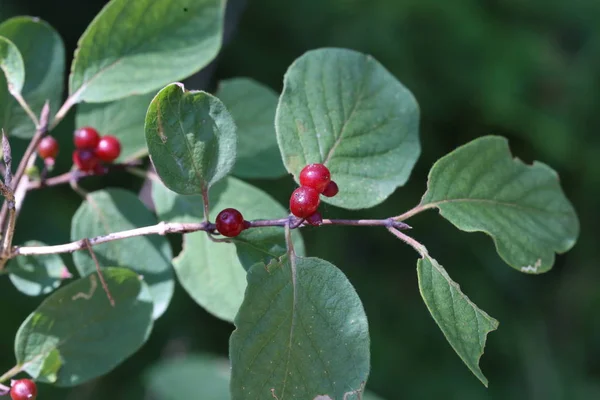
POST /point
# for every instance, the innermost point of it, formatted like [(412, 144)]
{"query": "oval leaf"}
[(195, 377), (480, 187), (464, 324), (43, 55), (253, 106), (135, 47), (213, 273), (344, 109), (76, 335), (12, 65), (301, 333), (114, 210), (191, 139), (122, 118), (37, 275)]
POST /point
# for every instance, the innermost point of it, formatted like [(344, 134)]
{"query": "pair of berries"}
[(315, 179), (91, 149), (23, 389)]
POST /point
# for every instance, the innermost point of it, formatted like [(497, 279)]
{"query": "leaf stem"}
[(422, 250), (26, 107), (414, 211), (99, 271), (11, 372)]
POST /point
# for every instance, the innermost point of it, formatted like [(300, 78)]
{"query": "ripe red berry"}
[(230, 222), (304, 201), (315, 176), (315, 219), (331, 189), (85, 159), (23, 389), (86, 138), (48, 147), (108, 148)]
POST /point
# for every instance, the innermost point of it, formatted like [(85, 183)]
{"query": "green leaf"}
[(114, 210), (344, 109), (37, 275), (76, 335), (191, 139), (301, 333), (43, 55), (195, 377), (371, 396), (465, 325), (122, 118), (213, 273), (12, 65), (135, 47), (253, 106), (480, 187)]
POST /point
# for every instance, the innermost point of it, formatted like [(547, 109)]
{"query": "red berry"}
[(315, 219), (304, 202), (315, 176), (23, 389), (48, 147), (86, 138), (85, 160), (230, 222), (331, 189), (108, 148)]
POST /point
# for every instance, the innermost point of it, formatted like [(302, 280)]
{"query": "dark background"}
[(528, 70)]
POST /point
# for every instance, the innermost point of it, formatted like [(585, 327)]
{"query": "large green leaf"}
[(191, 139), (43, 54), (37, 275), (301, 333), (195, 377), (253, 106), (123, 118), (213, 273), (344, 109), (76, 335), (114, 210), (135, 47), (480, 187), (465, 325), (11, 63)]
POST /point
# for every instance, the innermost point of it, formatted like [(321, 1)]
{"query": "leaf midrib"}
[(425, 206)]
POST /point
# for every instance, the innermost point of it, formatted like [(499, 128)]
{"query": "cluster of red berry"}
[(91, 149), (23, 389), (315, 179)]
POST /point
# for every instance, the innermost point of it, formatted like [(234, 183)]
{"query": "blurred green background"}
[(525, 69)]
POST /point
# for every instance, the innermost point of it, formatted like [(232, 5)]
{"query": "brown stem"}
[(100, 274)]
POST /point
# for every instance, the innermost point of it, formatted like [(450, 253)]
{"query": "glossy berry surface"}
[(86, 138), (85, 160), (230, 222), (108, 148), (315, 219), (304, 202), (48, 147), (23, 389), (331, 189), (315, 176)]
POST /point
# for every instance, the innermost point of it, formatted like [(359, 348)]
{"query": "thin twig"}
[(4, 390), (11, 372), (205, 203), (164, 228), (7, 154), (100, 275)]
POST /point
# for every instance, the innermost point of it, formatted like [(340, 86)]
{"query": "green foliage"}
[(301, 332), (214, 273), (113, 210), (121, 118), (191, 138), (480, 187), (345, 110), (11, 64), (35, 276), (190, 377), (137, 47), (43, 54), (76, 335), (463, 323), (253, 106)]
